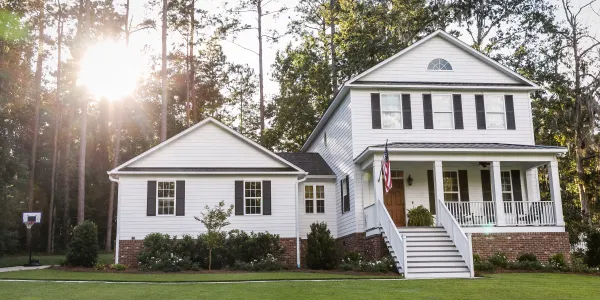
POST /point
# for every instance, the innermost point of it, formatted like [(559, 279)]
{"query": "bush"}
[(100, 267), (354, 262), (557, 261), (527, 257), (243, 247), (526, 265), (119, 267), (83, 247), (156, 245), (593, 249), (499, 260), (269, 263), (320, 248), (420, 216)]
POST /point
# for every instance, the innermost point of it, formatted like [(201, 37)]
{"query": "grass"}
[(19, 260), (498, 286)]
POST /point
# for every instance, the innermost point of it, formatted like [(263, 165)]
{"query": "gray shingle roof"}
[(192, 169), (466, 146), (439, 83), (310, 162)]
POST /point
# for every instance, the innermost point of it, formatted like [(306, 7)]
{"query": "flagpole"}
[(381, 168)]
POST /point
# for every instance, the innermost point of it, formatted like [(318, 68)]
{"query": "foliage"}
[(320, 248), (100, 266), (119, 267), (593, 249), (83, 248), (526, 265), (420, 216), (527, 257), (156, 245), (214, 219), (245, 248), (355, 262), (557, 261), (269, 263), (499, 260)]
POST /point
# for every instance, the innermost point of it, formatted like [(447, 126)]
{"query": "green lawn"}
[(19, 260), (501, 286)]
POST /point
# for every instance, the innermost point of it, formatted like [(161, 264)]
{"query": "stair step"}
[(410, 248), (416, 238), (424, 258), (424, 233), (429, 243), (433, 253), (437, 269), (436, 264), (439, 275)]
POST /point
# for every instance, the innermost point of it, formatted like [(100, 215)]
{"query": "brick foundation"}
[(375, 248), (354, 242), (542, 244), (129, 250), (289, 251)]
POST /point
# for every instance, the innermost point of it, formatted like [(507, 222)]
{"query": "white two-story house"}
[(459, 132)]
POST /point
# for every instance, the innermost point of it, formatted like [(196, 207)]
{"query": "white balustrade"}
[(529, 213), (461, 240), (473, 213), (396, 240)]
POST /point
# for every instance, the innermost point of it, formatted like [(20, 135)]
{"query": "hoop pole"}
[(29, 229)]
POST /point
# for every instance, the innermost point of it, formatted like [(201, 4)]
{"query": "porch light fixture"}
[(409, 180)]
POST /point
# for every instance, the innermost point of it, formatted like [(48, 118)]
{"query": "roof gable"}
[(208, 145), (469, 66)]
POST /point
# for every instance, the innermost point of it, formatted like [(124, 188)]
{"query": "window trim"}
[(174, 197), (401, 112), (432, 70), (501, 96), (457, 185), (433, 112), (261, 197), (512, 190), (314, 199)]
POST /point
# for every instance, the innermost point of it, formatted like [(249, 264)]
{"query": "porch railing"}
[(529, 213), (396, 240), (473, 213), (461, 240)]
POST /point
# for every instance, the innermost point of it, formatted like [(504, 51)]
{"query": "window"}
[(443, 117), (253, 197), (506, 181), (451, 186), (391, 111), (439, 64), (314, 195), (345, 196), (325, 138), (165, 197), (494, 112)]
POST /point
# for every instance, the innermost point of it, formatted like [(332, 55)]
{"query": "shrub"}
[(527, 257), (243, 247), (269, 263), (119, 267), (420, 216), (484, 266), (355, 262), (526, 265), (498, 260), (593, 249), (100, 267), (156, 246), (320, 248), (83, 247), (557, 261)]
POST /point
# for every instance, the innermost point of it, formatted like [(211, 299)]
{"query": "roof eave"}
[(202, 173), (325, 118), (443, 87)]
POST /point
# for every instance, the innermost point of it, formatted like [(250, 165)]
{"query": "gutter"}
[(116, 179), (298, 220)]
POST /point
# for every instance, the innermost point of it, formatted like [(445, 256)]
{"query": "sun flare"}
[(110, 70)]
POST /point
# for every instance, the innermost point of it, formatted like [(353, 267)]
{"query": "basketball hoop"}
[(29, 224)]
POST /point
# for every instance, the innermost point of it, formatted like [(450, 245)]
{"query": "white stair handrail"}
[(396, 240), (462, 241)]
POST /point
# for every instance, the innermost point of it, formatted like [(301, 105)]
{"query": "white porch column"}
[(555, 192), (532, 184), (497, 193), (438, 183), (377, 184)]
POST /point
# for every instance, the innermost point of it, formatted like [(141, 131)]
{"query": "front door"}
[(394, 202)]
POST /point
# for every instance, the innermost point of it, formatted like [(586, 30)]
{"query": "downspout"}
[(298, 220), (116, 179)]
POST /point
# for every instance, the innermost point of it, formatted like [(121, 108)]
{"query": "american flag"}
[(386, 169)]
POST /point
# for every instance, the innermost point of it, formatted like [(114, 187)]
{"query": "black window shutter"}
[(516, 185), (180, 198), (486, 185), (406, 111), (430, 186), (266, 191), (151, 198), (427, 111), (342, 194), (463, 184), (239, 198), (375, 111), (510, 112), (347, 198), (458, 114), (480, 111)]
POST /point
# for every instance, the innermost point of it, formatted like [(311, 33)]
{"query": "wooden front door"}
[(394, 202)]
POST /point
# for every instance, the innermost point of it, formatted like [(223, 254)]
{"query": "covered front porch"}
[(485, 190)]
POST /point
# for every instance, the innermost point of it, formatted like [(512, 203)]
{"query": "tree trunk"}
[(192, 67), (260, 69), (163, 112), (334, 84), (36, 115), (210, 259), (67, 181)]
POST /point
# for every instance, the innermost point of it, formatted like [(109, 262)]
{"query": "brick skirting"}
[(128, 252), (354, 242), (289, 251), (542, 244)]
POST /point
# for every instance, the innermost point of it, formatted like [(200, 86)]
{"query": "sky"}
[(237, 54)]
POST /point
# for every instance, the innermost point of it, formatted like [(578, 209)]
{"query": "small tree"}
[(83, 248), (214, 219), (320, 248)]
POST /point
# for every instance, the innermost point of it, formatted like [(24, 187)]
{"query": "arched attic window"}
[(439, 64)]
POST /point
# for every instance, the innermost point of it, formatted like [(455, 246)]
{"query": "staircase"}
[(431, 254)]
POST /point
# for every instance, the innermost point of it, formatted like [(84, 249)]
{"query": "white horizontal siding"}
[(202, 191), (329, 217), (208, 146), (412, 66), (338, 155), (365, 136)]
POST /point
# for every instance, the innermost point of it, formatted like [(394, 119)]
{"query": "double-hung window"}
[(314, 197), (391, 111), (507, 190), (451, 190), (253, 197), (443, 117), (165, 198), (495, 113)]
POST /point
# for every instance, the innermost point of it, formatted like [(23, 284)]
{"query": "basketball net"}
[(29, 224)]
